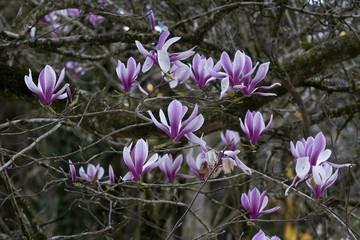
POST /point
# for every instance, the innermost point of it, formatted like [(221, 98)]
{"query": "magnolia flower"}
[(161, 57), (230, 139), (322, 179), (72, 171), (312, 148), (310, 153), (178, 129), (255, 203), (241, 66), (73, 12), (254, 125), (201, 75), (137, 161), (92, 173), (95, 19), (151, 19), (233, 71), (196, 164), (247, 85), (111, 175), (179, 73), (170, 167), (50, 17), (74, 70), (261, 236), (47, 85), (127, 75)]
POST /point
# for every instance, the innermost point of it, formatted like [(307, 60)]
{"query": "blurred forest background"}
[(313, 48)]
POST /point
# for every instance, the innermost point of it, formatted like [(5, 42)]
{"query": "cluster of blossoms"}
[(92, 173), (54, 18), (236, 78), (312, 165)]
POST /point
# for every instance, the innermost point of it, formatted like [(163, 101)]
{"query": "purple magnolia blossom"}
[(261, 236), (170, 167), (322, 179), (137, 161), (92, 173), (255, 203), (309, 154), (230, 139), (161, 57), (179, 73), (151, 19), (111, 175), (254, 125), (312, 148), (47, 85), (72, 171), (50, 17), (95, 19), (195, 164), (201, 75), (241, 66), (74, 70), (73, 12), (178, 129), (127, 75), (247, 84)]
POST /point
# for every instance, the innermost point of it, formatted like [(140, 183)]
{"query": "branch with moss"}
[(217, 116)]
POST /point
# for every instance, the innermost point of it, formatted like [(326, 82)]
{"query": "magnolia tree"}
[(179, 119)]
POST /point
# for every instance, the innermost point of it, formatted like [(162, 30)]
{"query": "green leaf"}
[(230, 94)]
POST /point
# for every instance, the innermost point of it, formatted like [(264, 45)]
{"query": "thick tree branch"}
[(299, 69)]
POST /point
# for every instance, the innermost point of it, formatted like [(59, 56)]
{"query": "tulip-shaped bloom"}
[(312, 148), (74, 70), (72, 171), (179, 73), (261, 236), (247, 85), (310, 153), (92, 173), (254, 125), (233, 71), (170, 167), (161, 57), (137, 161), (151, 19), (95, 19), (195, 164), (47, 85), (255, 203), (178, 129), (201, 75), (127, 75), (111, 175), (322, 179), (241, 66), (230, 139)]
